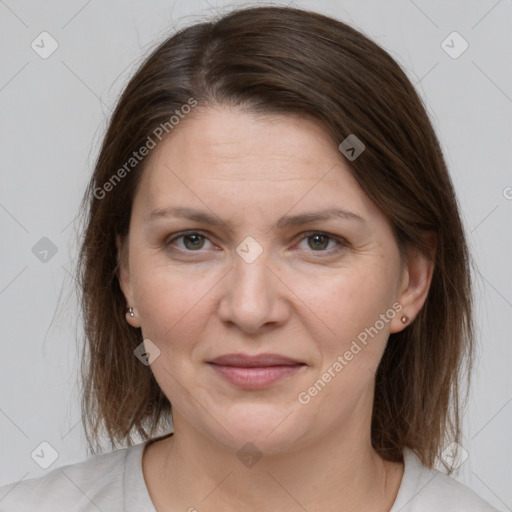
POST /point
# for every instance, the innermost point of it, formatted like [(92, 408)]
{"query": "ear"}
[(416, 279), (123, 275)]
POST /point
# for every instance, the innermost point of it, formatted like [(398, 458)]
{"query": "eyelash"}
[(342, 243)]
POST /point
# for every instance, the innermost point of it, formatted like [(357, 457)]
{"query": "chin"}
[(270, 428)]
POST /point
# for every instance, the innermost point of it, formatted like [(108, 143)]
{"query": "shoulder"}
[(430, 490), (97, 482)]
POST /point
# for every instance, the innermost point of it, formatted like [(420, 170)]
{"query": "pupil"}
[(196, 243), (316, 237)]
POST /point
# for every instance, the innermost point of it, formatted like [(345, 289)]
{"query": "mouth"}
[(255, 372)]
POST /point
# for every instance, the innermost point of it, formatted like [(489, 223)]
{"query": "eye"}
[(318, 241), (192, 241)]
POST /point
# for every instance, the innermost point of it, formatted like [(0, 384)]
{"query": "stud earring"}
[(404, 319), (130, 312)]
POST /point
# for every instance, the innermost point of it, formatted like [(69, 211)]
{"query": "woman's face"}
[(317, 300)]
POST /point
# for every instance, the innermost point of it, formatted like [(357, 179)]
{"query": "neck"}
[(190, 472)]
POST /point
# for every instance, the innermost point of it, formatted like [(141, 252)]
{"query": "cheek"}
[(173, 312), (171, 306), (350, 306)]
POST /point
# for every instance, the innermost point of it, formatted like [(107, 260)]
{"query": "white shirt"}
[(114, 482)]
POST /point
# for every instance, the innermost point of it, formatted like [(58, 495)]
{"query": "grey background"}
[(53, 113)]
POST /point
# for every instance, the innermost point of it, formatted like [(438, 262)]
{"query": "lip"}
[(248, 361), (255, 371)]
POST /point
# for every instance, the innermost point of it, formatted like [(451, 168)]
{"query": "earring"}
[(404, 319), (130, 312)]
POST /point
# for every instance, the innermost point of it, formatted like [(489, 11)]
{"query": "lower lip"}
[(257, 377)]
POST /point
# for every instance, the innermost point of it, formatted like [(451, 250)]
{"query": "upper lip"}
[(247, 361)]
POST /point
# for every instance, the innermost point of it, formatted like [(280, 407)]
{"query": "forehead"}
[(224, 155), (228, 144)]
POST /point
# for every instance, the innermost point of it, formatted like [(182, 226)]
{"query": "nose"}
[(255, 295)]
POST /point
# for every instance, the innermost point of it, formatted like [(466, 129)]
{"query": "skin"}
[(297, 299)]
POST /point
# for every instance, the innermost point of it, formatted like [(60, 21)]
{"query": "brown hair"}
[(280, 60)]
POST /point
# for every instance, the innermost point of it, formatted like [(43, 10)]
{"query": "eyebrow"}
[(283, 223)]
